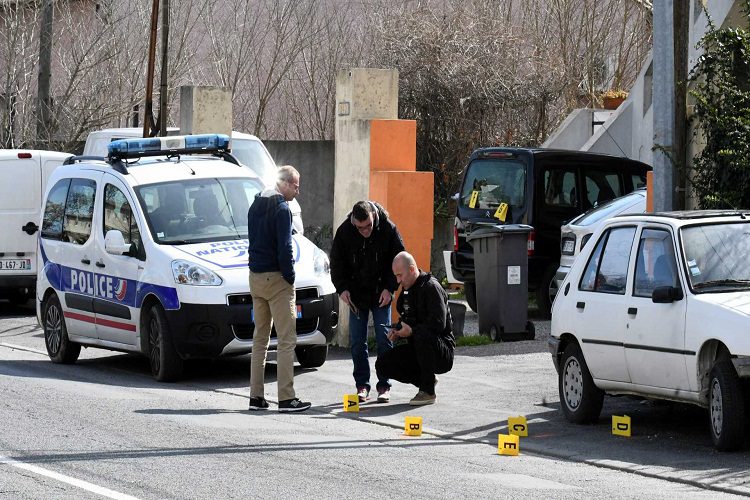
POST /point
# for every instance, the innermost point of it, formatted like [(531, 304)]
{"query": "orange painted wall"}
[(393, 145), (650, 191)]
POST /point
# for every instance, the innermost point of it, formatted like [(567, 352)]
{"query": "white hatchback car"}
[(659, 306), (146, 251)]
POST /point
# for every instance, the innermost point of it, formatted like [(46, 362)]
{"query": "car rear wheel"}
[(312, 356), (580, 399), (59, 347), (470, 291), (166, 364), (726, 407)]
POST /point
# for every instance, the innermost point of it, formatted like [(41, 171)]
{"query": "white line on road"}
[(22, 348), (84, 485)]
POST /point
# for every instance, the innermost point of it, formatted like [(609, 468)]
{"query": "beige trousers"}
[(273, 303)]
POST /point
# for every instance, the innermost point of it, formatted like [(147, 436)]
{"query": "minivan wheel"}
[(543, 292), (726, 407), (59, 347), (166, 364), (581, 401), (470, 291), (311, 356)]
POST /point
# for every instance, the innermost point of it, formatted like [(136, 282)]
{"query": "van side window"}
[(560, 187), (607, 269), (119, 215), (79, 211), (639, 181), (601, 186), (52, 223)]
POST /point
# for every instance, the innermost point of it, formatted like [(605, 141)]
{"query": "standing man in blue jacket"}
[(269, 229)]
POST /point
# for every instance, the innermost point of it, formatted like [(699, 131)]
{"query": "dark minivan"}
[(542, 188)]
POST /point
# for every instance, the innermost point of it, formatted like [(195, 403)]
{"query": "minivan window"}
[(54, 209), (119, 215), (182, 212), (601, 186), (560, 187), (495, 181), (79, 211)]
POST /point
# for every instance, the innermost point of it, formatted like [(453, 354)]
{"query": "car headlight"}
[(189, 273), (321, 263)]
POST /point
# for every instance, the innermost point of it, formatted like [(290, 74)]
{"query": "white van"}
[(247, 148), (24, 176), (146, 251)]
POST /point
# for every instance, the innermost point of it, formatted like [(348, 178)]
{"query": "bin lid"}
[(493, 230)]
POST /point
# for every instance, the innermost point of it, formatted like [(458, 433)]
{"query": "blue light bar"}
[(168, 146)]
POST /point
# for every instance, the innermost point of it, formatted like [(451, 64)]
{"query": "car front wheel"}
[(166, 364), (59, 347), (580, 399), (313, 356), (726, 407)]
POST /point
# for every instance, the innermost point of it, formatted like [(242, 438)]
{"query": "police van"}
[(146, 251)]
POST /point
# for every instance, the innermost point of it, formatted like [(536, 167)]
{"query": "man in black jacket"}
[(424, 341), (363, 249)]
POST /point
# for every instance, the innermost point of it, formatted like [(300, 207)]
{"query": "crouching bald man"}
[(424, 341)]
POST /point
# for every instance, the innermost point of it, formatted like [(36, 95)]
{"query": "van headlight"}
[(189, 273), (321, 262)]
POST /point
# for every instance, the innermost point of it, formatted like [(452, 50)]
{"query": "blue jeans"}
[(358, 343)]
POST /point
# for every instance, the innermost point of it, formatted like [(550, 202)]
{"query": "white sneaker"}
[(363, 392), (384, 395)]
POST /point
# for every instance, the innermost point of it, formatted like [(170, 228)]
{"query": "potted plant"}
[(612, 98)]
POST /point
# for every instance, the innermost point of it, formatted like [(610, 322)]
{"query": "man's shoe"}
[(363, 392), (259, 403), (293, 405), (422, 398), (436, 380), (384, 395)]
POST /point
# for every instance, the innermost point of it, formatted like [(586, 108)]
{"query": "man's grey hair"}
[(287, 173), (405, 258)]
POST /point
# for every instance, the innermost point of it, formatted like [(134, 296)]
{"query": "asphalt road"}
[(104, 428)]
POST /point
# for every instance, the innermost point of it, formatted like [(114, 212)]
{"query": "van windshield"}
[(494, 181), (251, 152), (199, 210)]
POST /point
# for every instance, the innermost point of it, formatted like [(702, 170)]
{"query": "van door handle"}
[(100, 264), (580, 305), (85, 261), (30, 228), (633, 310)]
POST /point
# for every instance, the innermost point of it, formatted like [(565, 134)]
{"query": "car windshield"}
[(199, 210), (495, 182), (716, 256), (621, 205), (251, 152)]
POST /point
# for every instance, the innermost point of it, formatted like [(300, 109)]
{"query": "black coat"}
[(424, 307), (363, 265)]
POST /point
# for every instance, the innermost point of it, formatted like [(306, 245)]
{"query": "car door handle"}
[(85, 261), (633, 310), (580, 305), (100, 264)]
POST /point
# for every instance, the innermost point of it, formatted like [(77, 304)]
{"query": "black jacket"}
[(269, 233), (424, 307), (363, 265)]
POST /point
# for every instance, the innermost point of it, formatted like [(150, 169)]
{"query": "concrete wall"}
[(315, 161), (205, 110)]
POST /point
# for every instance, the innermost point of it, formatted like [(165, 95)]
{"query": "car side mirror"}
[(666, 294), (114, 243)]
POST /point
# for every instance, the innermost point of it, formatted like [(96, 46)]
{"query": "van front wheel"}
[(543, 292), (470, 291), (166, 364)]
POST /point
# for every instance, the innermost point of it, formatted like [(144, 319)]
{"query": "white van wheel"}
[(166, 364)]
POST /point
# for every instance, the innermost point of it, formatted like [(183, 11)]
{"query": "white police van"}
[(146, 251)]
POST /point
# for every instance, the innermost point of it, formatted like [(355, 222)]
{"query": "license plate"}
[(569, 246), (15, 264), (299, 313)]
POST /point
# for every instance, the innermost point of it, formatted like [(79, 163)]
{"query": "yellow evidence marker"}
[(473, 199), (413, 426), (351, 403), (508, 444), (518, 426), (621, 425), (501, 212)]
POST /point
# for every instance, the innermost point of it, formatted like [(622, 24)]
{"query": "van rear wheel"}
[(166, 364)]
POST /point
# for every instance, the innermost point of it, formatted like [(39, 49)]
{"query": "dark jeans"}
[(358, 343), (417, 362)]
